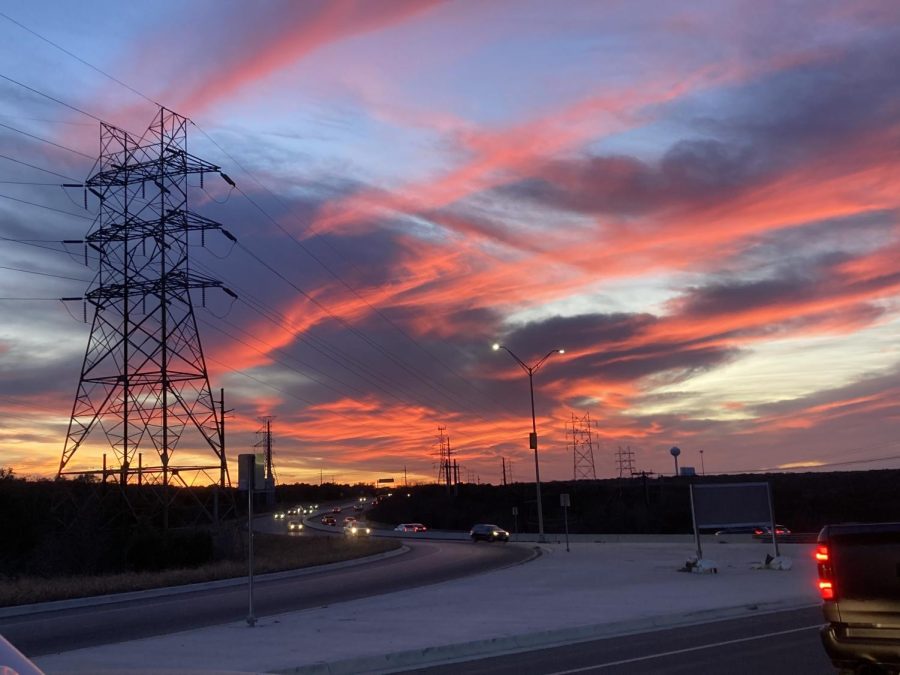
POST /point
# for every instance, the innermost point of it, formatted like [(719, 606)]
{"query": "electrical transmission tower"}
[(582, 448), (143, 380), (264, 444), (625, 462), (445, 463)]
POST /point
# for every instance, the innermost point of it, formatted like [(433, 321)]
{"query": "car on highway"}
[(336, 509), (294, 525), (357, 529), (349, 519), (278, 515), (767, 530), (488, 532), (328, 520), (410, 527), (753, 529)]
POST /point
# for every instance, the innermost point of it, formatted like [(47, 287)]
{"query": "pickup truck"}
[(859, 581)]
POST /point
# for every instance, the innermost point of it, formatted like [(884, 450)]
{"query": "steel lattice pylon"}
[(144, 380), (582, 448)]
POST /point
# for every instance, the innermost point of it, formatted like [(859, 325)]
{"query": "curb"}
[(97, 600), (478, 649)]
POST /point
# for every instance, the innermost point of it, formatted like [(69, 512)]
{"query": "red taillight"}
[(822, 553), (826, 590)]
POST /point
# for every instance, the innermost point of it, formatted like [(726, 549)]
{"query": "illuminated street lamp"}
[(531, 370)]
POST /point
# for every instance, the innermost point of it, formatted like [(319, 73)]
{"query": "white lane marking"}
[(684, 651)]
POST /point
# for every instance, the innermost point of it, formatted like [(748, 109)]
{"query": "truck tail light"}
[(826, 590), (826, 575)]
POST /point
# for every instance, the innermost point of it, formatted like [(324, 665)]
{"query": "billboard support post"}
[(247, 470), (696, 530)]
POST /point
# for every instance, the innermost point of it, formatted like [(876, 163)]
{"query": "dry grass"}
[(271, 554)]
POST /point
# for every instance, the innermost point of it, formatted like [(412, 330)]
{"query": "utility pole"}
[(503, 460), (144, 380)]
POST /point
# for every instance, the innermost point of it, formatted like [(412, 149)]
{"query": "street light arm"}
[(517, 359), (537, 365)]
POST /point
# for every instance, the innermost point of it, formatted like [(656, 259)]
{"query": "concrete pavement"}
[(595, 590)]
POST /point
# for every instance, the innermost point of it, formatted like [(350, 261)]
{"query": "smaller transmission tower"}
[(582, 448), (625, 462), (445, 463), (264, 445)]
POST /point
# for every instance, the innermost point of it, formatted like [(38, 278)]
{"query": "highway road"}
[(427, 562), (780, 643)]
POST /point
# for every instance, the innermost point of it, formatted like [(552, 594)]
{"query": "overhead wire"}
[(48, 208), (424, 378), (372, 343), (43, 274), (39, 168), (359, 334), (47, 141), (78, 58)]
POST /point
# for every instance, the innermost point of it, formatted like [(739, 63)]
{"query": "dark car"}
[(488, 532), (328, 520)]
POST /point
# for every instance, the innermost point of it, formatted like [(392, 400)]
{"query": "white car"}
[(294, 526)]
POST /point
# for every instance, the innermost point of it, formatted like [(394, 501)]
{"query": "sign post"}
[(565, 502), (248, 468), (515, 512)]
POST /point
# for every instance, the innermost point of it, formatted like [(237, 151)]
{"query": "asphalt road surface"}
[(780, 643), (428, 562)]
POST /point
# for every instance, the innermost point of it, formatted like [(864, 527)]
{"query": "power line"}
[(33, 166), (334, 274), (52, 98), (351, 328), (79, 59), (49, 208), (434, 357), (43, 274), (47, 141)]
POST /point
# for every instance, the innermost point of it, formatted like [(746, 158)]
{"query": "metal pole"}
[(537, 468), (566, 520), (251, 620), (694, 521), (772, 520)]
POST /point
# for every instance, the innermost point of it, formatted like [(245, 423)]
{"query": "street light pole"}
[(531, 370)]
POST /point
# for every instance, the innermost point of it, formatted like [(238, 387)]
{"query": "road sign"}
[(385, 480), (251, 472), (564, 500), (515, 510)]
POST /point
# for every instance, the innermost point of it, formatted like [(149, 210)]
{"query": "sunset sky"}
[(698, 201)]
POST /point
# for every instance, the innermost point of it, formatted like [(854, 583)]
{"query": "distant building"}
[(687, 471)]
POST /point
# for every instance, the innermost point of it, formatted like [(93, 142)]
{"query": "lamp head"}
[(496, 346), (561, 351)]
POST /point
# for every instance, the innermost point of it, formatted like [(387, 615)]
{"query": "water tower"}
[(674, 451)]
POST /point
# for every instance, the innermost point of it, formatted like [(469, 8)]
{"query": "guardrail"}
[(792, 538)]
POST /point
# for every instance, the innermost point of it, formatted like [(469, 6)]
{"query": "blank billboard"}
[(731, 504)]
